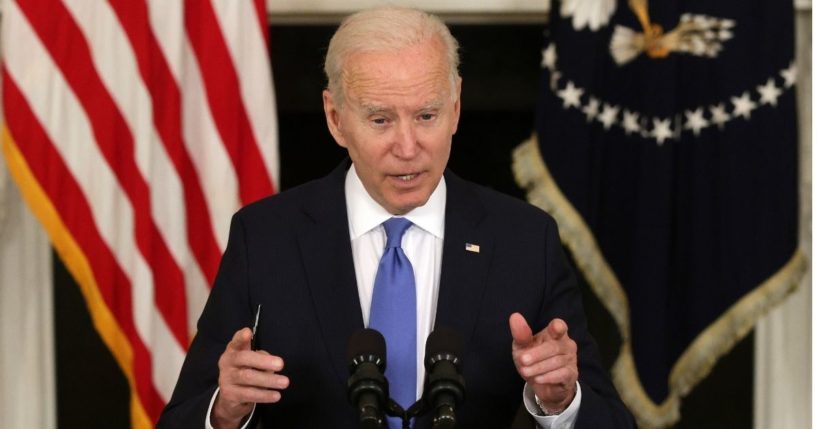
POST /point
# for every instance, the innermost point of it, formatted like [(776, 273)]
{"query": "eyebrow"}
[(372, 109), (433, 105)]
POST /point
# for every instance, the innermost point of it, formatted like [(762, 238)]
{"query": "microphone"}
[(445, 386), (367, 387)]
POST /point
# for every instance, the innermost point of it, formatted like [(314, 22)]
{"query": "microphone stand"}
[(416, 409)]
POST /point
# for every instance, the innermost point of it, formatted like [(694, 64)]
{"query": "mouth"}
[(407, 177)]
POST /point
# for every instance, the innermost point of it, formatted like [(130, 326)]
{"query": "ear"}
[(458, 90), (332, 111)]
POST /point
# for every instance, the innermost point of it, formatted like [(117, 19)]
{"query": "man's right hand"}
[(245, 377)]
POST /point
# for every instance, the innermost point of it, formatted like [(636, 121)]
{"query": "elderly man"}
[(393, 241)]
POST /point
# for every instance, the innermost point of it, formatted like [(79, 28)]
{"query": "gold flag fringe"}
[(77, 263), (700, 357)]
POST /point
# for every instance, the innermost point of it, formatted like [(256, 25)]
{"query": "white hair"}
[(386, 29)]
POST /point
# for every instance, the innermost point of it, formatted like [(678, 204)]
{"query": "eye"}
[(379, 120), (425, 117)]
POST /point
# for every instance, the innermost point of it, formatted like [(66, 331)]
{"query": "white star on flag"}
[(549, 57), (743, 106), (695, 121), (592, 109), (631, 122), (570, 95), (769, 93), (789, 75), (719, 115), (608, 115), (662, 130)]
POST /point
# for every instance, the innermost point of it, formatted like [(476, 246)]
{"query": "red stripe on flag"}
[(261, 12), (224, 97), (65, 194), (69, 49), (167, 116)]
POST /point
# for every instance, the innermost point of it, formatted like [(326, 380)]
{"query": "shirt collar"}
[(366, 214)]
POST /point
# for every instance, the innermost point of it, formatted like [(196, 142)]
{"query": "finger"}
[(241, 340), (248, 377), (563, 377), (243, 394), (520, 330), (542, 351), (261, 361), (534, 353), (556, 329), (544, 366)]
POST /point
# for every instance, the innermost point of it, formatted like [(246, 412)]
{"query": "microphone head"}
[(366, 345), (367, 387), (444, 385), (443, 344)]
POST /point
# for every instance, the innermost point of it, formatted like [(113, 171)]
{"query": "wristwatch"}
[(542, 410)]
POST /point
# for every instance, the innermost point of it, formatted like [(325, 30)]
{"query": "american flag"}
[(134, 129)]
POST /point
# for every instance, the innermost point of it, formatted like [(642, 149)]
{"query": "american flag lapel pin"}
[(470, 247)]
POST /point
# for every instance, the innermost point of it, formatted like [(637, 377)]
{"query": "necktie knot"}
[(395, 227)]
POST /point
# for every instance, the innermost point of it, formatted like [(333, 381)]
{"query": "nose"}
[(405, 144)]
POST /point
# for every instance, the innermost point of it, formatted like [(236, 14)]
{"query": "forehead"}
[(417, 72)]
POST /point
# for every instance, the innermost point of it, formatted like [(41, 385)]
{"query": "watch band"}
[(543, 409)]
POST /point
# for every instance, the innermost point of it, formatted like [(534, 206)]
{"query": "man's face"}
[(397, 120)]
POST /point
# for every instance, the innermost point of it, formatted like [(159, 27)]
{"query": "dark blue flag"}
[(666, 148)]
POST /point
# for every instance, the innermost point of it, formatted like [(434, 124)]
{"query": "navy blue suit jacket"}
[(292, 254)]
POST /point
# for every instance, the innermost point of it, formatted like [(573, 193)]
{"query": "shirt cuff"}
[(564, 420), (208, 425)]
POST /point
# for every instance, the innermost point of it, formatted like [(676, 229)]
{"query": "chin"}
[(404, 205)]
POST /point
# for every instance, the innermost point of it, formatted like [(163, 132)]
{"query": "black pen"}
[(254, 340)]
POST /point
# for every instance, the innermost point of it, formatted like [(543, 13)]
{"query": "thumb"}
[(556, 329), (241, 340), (520, 330)]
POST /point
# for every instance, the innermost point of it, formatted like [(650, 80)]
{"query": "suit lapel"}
[(327, 255), (464, 266)]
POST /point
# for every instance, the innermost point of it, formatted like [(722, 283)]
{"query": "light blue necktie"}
[(394, 314)]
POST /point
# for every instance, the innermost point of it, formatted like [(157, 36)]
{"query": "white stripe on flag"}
[(167, 22), (116, 65), (248, 49), (220, 182), (216, 174)]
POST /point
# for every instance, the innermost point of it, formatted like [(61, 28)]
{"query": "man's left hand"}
[(547, 361)]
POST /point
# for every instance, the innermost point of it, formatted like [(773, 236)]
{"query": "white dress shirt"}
[(423, 245)]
